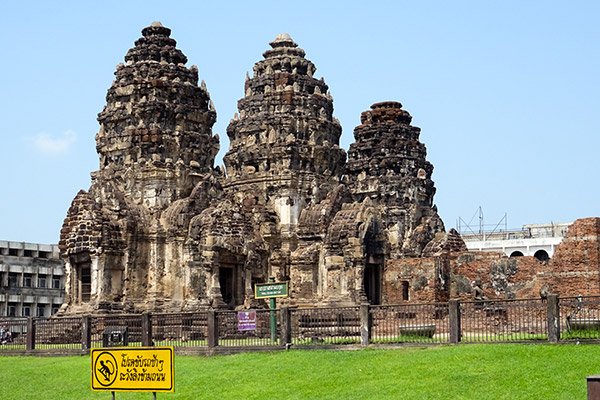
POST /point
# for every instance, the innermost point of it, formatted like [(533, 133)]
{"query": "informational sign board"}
[(133, 369), (271, 290), (247, 320)]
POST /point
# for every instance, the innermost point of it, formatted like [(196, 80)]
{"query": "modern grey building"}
[(32, 279)]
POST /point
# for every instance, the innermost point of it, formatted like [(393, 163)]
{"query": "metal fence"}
[(489, 321), (504, 321), (61, 334), (264, 330), (13, 333), (317, 326), (580, 318), (180, 330), (101, 324), (410, 323)]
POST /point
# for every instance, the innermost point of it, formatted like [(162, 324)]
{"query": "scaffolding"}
[(477, 229)]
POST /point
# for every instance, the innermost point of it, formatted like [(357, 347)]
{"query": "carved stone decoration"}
[(161, 229), (285, 144), (123, 241)]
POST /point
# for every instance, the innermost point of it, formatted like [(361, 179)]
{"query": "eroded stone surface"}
[(161, 229)]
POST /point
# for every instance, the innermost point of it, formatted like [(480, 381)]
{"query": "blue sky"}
[(507, 94)]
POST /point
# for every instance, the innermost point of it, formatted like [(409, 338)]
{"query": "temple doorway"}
[(227, 283), (231, 281), (85, 282), (372, 283)]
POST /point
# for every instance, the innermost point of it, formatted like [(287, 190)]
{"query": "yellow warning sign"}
[(133, 369)]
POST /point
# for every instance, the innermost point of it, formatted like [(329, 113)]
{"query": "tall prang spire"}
[(387, 164), (157, 118), (285, 140)]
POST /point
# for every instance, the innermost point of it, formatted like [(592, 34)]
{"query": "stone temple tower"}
[(161, 229), (155, 145), (156, 125), (387, 164), (382, 210), (285, 140)]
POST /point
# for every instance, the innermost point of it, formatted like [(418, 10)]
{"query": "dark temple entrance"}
[(373, 273), (372, 283), (231, 280), (227, 283)]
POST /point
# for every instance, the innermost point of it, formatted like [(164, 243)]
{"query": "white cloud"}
[(54, 146)]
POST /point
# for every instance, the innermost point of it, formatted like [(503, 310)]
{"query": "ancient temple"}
[(161, 228)]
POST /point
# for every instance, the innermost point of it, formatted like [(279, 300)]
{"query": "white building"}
[(538, 240), (32, 279)]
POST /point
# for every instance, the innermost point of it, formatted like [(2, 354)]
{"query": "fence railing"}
[(502, 321), (496, 321)]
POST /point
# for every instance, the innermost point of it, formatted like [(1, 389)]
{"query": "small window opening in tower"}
[(85, 282), (405, 290)]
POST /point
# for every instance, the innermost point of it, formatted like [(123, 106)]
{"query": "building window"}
[(28, 253), (11, 311), (13, 280), (405, 287), (13, 252), (55, 308), (42, 281), (55, 282), (26, 310), (41, 310), (27, 280), (86, 283)]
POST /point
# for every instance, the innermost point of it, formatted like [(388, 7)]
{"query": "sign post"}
[(271, 291), (133, 369)]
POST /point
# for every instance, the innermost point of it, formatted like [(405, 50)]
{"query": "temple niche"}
[(162, 229)]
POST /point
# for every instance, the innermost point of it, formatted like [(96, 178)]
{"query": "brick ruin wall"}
[(573, 270)]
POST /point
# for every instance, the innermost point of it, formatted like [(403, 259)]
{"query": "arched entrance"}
[(541, 255)]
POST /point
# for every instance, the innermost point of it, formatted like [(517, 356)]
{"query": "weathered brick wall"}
[(575, 267), (497, 275), (573, 270), (427, 277)]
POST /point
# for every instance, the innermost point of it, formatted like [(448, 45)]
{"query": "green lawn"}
[(504, 371)]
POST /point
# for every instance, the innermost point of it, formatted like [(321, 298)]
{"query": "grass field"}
[(505, 371)]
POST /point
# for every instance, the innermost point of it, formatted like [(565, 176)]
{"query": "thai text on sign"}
[(141, 369), (270, 290)]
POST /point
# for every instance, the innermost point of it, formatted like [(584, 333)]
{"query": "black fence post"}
[(454, 320), (86, 333), (365, 324), (553, 318), (286, 326), (147, 329), (30, 345), (213, 329)]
